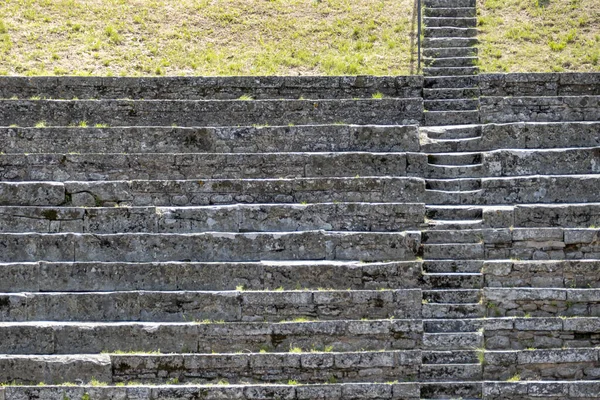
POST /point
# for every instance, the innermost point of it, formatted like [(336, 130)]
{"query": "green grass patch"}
[(539, 35), (205, 37)]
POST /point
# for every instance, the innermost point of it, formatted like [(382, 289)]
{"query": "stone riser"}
[(210, 113), (584, 390), (222, 191), (87, 338), (539, 109), (347, 391), (541, 333), (549, 365), (197, 88), (97, 167), (536, 84), (211, 368), (244, 139), (583, 274), (114, 167), (119, 276), (534, 302), (210, 247), (231, 306), (295, 139), (215, 191), (371, 217)]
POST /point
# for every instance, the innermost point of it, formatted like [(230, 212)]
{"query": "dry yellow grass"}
[(539, 35), (205, 37)]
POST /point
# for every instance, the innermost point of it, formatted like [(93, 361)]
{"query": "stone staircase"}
[(324, 246), (451, 92)]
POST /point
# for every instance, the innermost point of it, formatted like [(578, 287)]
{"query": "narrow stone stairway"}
[(451, 89), (453, 253)]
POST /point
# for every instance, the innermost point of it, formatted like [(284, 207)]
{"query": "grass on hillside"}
[(539, 35), (205, 37)]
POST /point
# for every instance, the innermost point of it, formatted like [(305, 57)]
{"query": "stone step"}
[(452, 341), (210, 113), (209, 247), (455, 289), (46, 276), (337, 391), (228, 306), (446, 42), (458, 251), (449, 82), (449, 94), (241, 218), (454, 224), (110, 166), (451, 236), (461, 22), (203, 87), (207, 337), (445, 172), (455, 158), (463, 184), (453, 213), (447, 52), (452, 266), (451, 105), (469, 356), (442, 197), (450, 311), (456, 132), (451, 390), (452, 325), (450, 372), (229, 191), (450, 145), (449, 3), (451, 117), (450, 12), (211, 368), (242, 139), (449, 32)]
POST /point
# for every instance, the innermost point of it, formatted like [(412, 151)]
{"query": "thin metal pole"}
[(418, 35)]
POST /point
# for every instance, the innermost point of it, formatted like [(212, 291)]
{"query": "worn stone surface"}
[(232, 191), (539, 109), (542, 333), (264, 87), (227, 139), (539, 84), (181, 306), (98, 167), (208, 337), (229, 218), (146, 247), (211, 112), (307, 367), (102, 276)]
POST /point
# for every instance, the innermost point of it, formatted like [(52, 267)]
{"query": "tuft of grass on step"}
[(539, 35), (205, 37)]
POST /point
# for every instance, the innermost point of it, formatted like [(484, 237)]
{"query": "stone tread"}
[(453, 341), (455, 133), (463, 22), (450, 12), (454, 185), (451, 117), (462, 289), (451, 104)]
